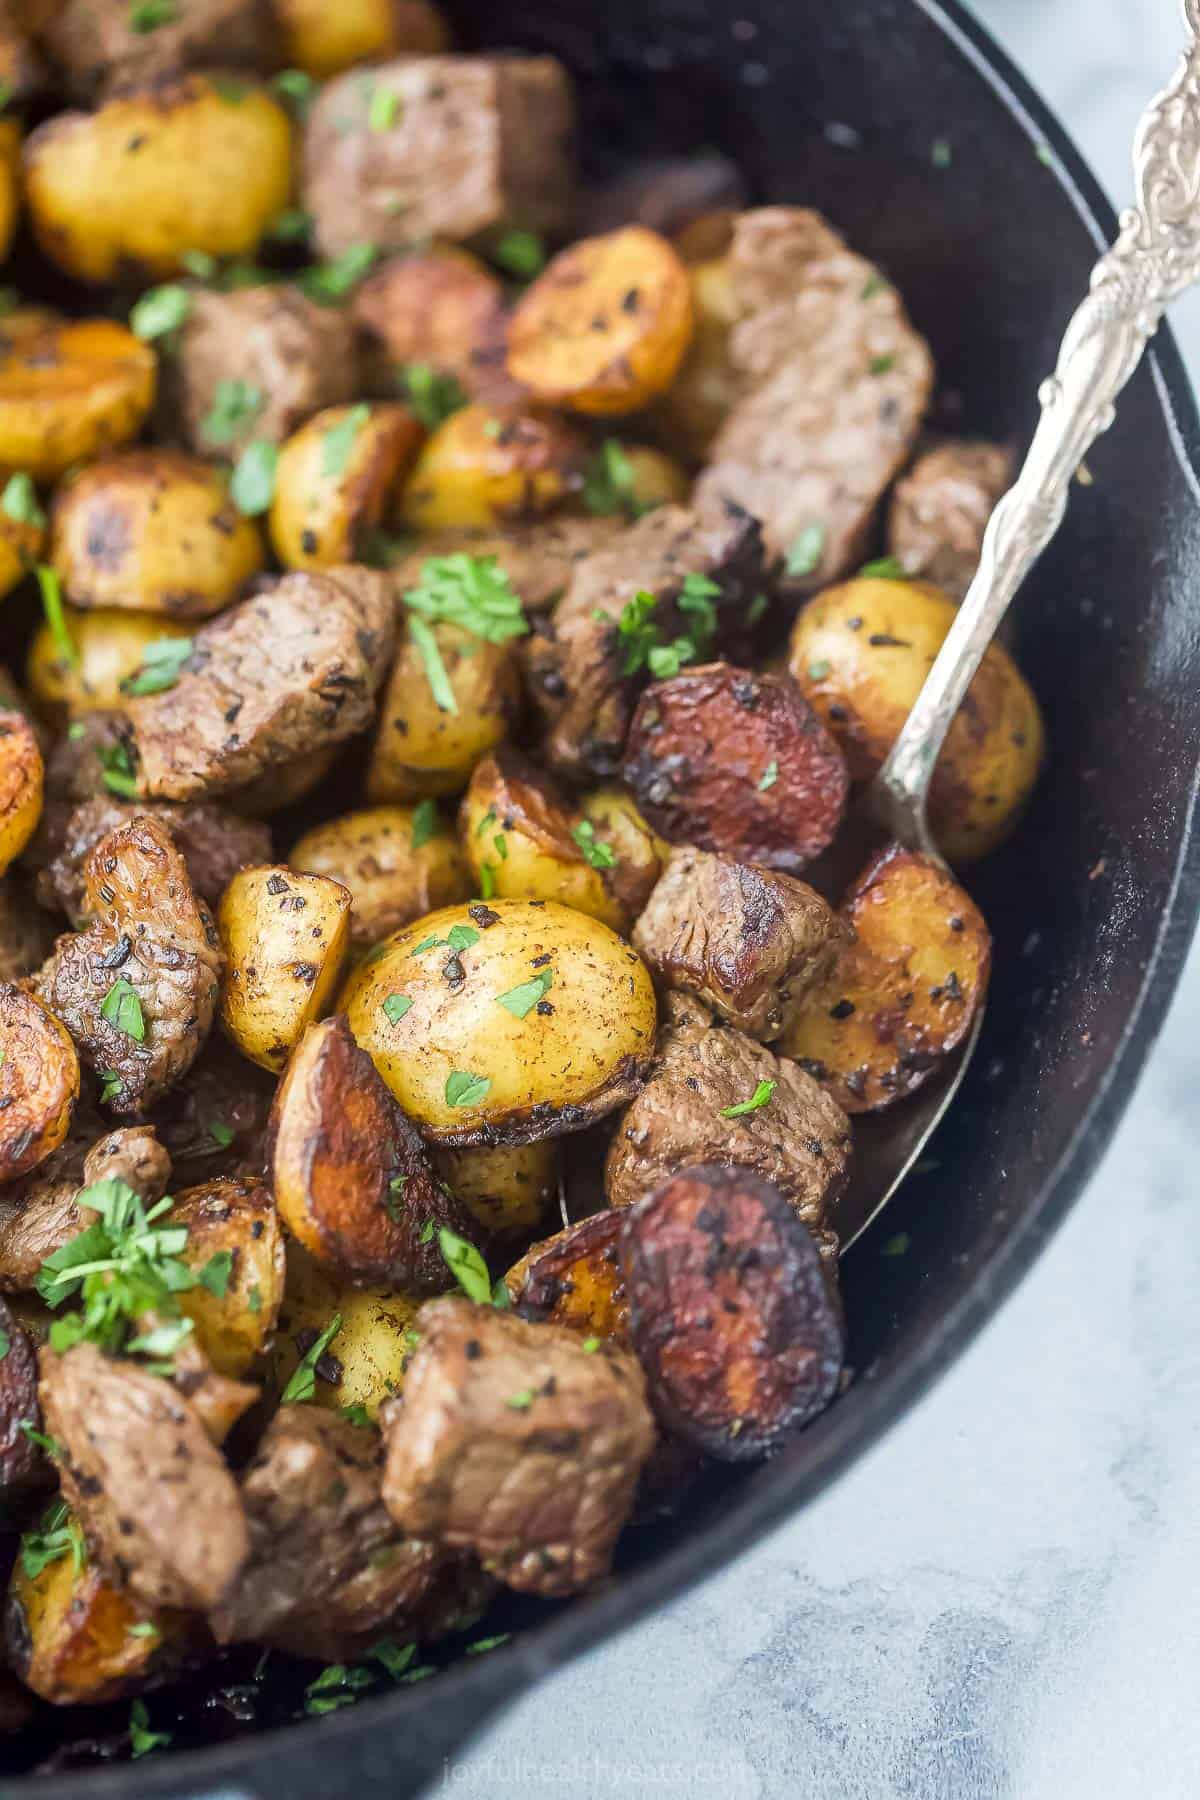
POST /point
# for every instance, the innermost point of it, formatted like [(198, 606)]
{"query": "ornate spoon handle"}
[(1155, 258)]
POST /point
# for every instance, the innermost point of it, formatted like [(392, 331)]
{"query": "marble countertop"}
[(1006, 1597)]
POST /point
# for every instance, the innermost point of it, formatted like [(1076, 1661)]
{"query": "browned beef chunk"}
[(214, 842), (26, 933), (160, 1510), (95, 745), (137, 989), (475, 143), (98, 46), (836, 383), (38, 1214), (442, 309), (514, 1441), (329, 1570), (214, 1122), (280, 674), (940, 509), (254, 363), (796, 1136), (579, 661), (666, 194), (22, 1463), (746, 940)]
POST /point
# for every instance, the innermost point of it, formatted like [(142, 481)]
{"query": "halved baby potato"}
[(508, 1190), (338, 480), (421, 748), (69, 389), (904, 992), (154, 531), (155, 173), (505, 1022), (22, 778), (486, 466), (323, 40), (110, 647), (605, 326), (39, 1081), (396, 861), (574, 1278), (235, 1245), (365, 1362), (284, 937)]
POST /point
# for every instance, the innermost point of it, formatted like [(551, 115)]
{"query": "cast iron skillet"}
[(1092, 907)]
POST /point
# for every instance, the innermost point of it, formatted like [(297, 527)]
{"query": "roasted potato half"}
[(110, 647), (155, 173), (506, 1022), (77, 1640), (903, 993), (10, 188), (861, 652), (235, 1246), (39, 1081), (284, 937), (421, 748), (396, 861), (486, 466), (69, 389), (605, 326), (338, 480), (22, 777), (507, 1191), (154, 531), (323, 40), (365, 1362), (575, 1278), (349, 1172)]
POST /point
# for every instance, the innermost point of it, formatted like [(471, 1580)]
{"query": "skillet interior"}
[(1092, 906)]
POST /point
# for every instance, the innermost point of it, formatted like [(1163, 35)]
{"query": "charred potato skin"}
[(860, 652), (153, 174), (154, 531), (905, 991), (284, 937), (39, 1081), (326, 504), (69, 389), (421, 751), (349, 1172), (372, 854), (366, 1362), (22, 780), (575, 1278), (730, 1311), (110, 644), (490, 466), (237, 1217)]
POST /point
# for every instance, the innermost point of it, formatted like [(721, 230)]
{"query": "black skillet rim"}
[(478, 1689)]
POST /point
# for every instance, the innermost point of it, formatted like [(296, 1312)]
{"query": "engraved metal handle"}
[(1155, 258)]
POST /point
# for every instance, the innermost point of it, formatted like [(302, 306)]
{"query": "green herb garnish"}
[(236, 405), (116, 771), (294, 86), (141, 1739), (338, 442), (162, 660), (124, 1266), (303, 1384), (769, 776), (395, 1007), (329, 282), (220, 1133), (433, 395), (466, 1265), (147, 15), (521, 253), (608, 483), (758, 1099), (20, 501), (55, 1535), (520, 1001), (216, 1272), (122, 1007), (465, 1089), (806, 551), (56, 618), (424, 823), (886, 568), (160, 310), (595, 853), (253, 483), (385, 108)]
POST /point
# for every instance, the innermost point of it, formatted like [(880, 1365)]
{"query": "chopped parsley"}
[(56, 617), (200, 264), (487, 881), (941, 153), (303, 1384), (875, 284), (459, 937), (520, 1001), (427, 1231), (216, 1272), (424, 823), (898, 1245), (769, 776), (356, 1414), (20, 501), (329, 282), (122, 1007), (144, 1629), (608, 483), (147, 15), (433, 395), (886, 568), (384, 110), (55, 1535), (596, 854), (294, 86), (5, 1343), (116, 771), (472, 592), (220, 1133), (159, 311), (291, 226), (465, 1089), (591, 1345), (641, 639), (254, 1299), (162, 660), (110, 1085), (141, 1739), (817, 671), (236, 405), (466, 1265), (253, 482), (522, 1400), (806, 551), (338, 442), (521, 253), (230, 88), (395, 1007), (882, 365), (481, 1645), (758, 1099), (123, 1266)]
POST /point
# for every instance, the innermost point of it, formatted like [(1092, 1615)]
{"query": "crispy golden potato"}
[(903, 993), (153, 174), (68, 390), (284, 937), (77, 1640), (22, 776), (605, 326), (324, 39), (338, 481), (861, 652), (440, 309), (507, 1190), (696, 403), (10, 193), (574, 1278), (39, 1081), (419, 747), (154, 531), (276, 789), (488, 465), (396, 862), (110, 645), (525, 841), (504, 1023), (365, 1363), (235, 1244)]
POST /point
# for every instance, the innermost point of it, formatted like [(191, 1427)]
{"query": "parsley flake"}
[(596, 854), (235, 406), (5, 1343), (254, 1299), (220, 1133), (122, 1007), (395, 1007), (465, 1089), (520, 1001), (141, 1739), (882, 365), (147, 15), (159, 311), (303, 1384), (144, 1629), (522, 1400), (329, 282), (200, 264), (886, 568), (162, 661), (110, 1085), (817, 671), (116, 771), (291, 226), (338, 442), (521, 253), (806, 551), (55, 1535), (473, 592), (384, 110), (123, 1266), (758, 1099), (466, 1265), (481, 1645), (356, 1414), (253, 482), (609, 483), (56, 617), (769, 776), (216, 1272), (591, 1345), (424, 823), (433, 395), (898, 1245), (296, 87), (20, 501)]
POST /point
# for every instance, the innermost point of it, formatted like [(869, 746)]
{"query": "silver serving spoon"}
[(1155, 259)]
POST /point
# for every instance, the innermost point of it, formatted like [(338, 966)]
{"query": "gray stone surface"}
[(1006, 1603)]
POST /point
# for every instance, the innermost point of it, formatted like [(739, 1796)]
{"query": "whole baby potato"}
[(397, 863), (110, 645), (154, 531), (504, 1023), (862, 650), (69, 389), (486, 466)]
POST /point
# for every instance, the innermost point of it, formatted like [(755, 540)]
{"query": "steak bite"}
[(26, 932), (254, 363), (215, 1122), (585, 671), (941, 508), (22, 1463), (474, 144), (160, 1510), (40, 1214), (738, 763), (792, 1133), (746, 940), (283, 673), (329, 1571), (835, 384), (138, 988), (99, 48), (515, 1441)]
